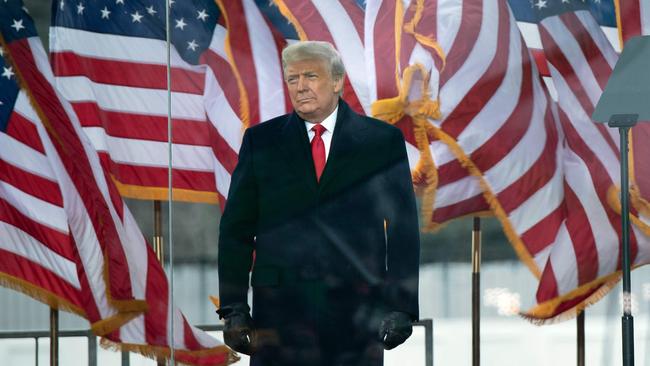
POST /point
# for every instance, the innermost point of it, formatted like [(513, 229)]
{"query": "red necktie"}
[(318, 150)]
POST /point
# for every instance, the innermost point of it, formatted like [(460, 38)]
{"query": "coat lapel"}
[(347, 142), (295, 144)]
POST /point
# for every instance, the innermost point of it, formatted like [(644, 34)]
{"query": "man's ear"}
[(338, 85)]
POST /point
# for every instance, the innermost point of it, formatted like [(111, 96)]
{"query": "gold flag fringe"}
[(614, 201), (544, 313), (160, 352), (394, 109), (162, 194)]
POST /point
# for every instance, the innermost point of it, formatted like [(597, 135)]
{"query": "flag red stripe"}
[(125, 73), (57, 241), (543, 233), (459, 209), (540, 61), (539, 174), (158, 176), (225, 78), (385, 68), (470, 26), (483, 90), (514, 128), (32, 184), (356, 15), (157, 295), (24, 131), (142, 126), (241, 51), (596, 60), (222, 151), (558, 59), (547, 288), (21, 267), (601, 181), (188, 337), (76, 163), (630, 15), (582, 237)]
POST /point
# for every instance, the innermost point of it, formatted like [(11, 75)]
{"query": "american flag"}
[(584, 262), (109, 59), (68, 238)]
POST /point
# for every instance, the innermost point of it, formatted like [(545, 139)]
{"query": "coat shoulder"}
[(268, 127), (381, 128)]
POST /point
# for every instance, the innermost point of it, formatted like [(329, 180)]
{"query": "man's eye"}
[(313, 77), (292, 80)]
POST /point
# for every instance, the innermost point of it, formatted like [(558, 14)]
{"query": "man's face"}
[(313, 92)]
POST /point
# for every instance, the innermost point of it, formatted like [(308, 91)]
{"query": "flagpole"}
[(580, 322), (158, 243), (170, 314), (54, 337), (476, 292)]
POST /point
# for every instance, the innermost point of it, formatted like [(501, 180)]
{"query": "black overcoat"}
[(331, 257)]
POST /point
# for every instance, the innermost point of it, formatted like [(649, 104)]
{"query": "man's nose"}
[(302, 84)]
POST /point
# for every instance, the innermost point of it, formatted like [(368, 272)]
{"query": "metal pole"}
[(92, 350), (54, 337), (581, 338), (157, 247), (126, 361), (157, 231), (627, 320), (36, 340), (476, 292)]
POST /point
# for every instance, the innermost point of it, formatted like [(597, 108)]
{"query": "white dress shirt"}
[(329, 124)]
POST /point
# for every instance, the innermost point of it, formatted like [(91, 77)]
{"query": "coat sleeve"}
[(402, 234), (238, 229)]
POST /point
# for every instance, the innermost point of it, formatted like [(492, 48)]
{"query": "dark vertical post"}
[(580, 322), (476, 292), (54, 337), (126, 361), (36, 342), (92, 349), (627, 320), (158, 243)]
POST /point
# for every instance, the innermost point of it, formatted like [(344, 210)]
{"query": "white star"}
[(80, 8), (171, 2), (119, 2), (136, 17), (8, 72), (541, 4), (18, 24), (181, 24), (151, 11), (192, 45), (105, 13), (61, 4), (202, 15), (1, 103)]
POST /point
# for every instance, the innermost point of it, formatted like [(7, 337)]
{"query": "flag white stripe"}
[(131, 99), (114, 47), (222, 178), (349, 44), (17, 241), (563, 259), (603, 44), (588, 131), (151, 153), (475, 65), (571, 49), (448, 22), (28, 159), (267, 64), (36, 209), (500, 106), (370, 17), (580, 181), (458, 191), (221, 114), (539, 205)]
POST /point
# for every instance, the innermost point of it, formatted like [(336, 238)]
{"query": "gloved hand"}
[(395, 328), (238, 327)]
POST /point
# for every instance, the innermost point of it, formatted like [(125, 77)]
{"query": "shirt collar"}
[(329, 122)]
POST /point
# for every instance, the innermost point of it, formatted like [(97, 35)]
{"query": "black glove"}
[(238, 327), (395, 329)]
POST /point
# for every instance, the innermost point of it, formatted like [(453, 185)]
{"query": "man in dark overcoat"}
[(323, 198)]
